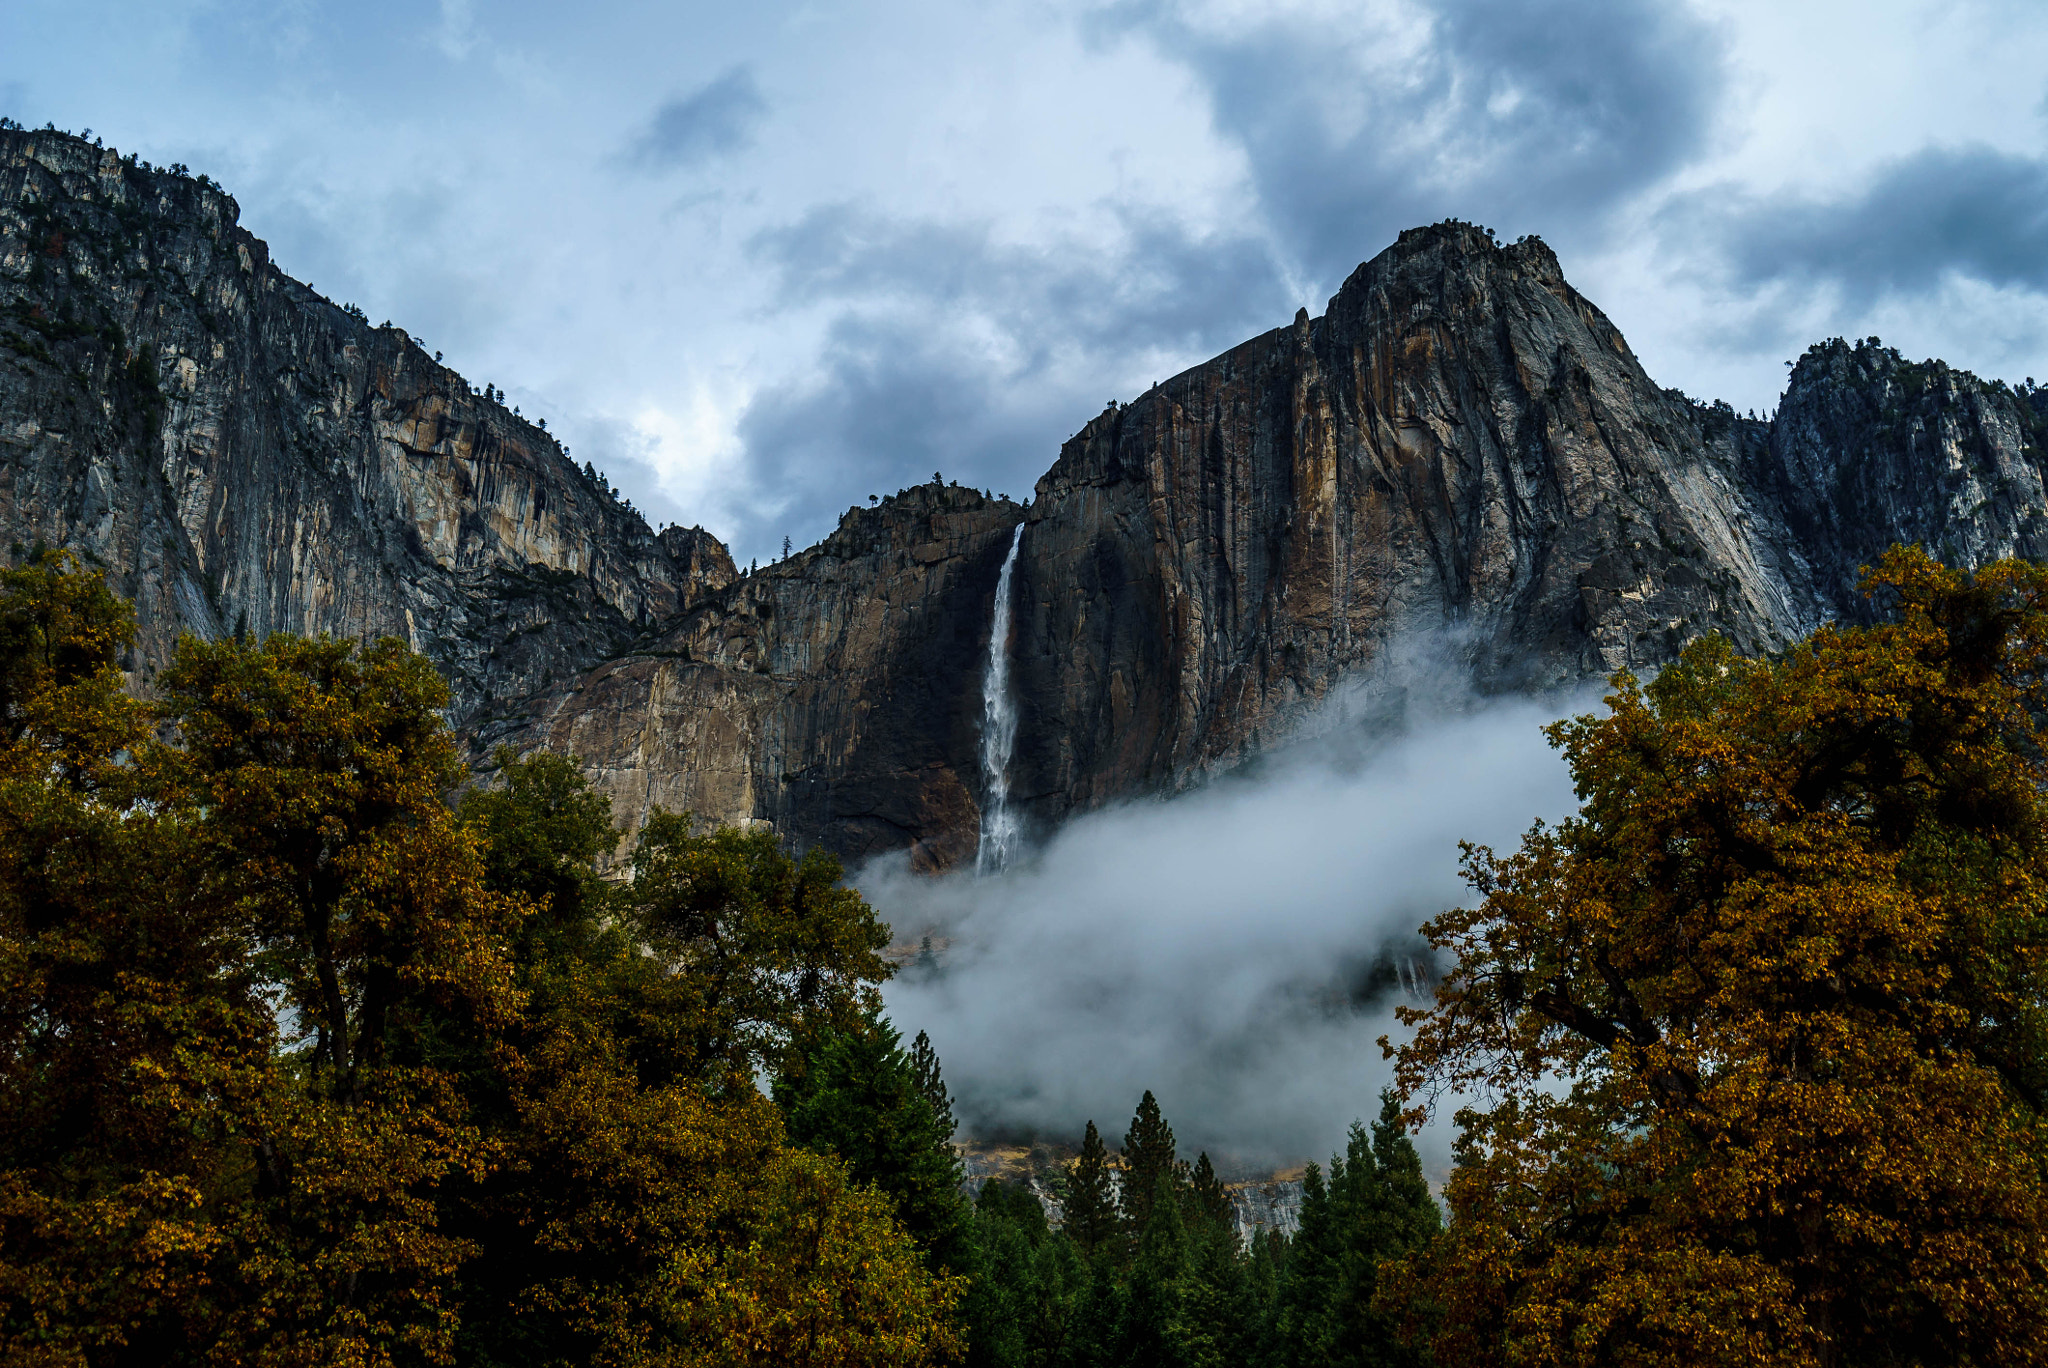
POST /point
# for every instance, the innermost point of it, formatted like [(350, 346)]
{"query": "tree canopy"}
[(300, 1065), (1756, 1039)]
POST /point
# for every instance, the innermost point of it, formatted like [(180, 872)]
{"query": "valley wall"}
[(1462, 447)]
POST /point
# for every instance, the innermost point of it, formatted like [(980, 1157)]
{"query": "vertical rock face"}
[(1461, 442), (836, 693), (1462, 447), (242, 454), (1868, 448)]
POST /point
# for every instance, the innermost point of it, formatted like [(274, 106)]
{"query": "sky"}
[(759, 261)]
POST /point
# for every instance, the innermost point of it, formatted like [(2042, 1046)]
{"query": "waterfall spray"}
[(998, 730)]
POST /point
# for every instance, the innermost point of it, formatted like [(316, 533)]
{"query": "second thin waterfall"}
[(998, 730)]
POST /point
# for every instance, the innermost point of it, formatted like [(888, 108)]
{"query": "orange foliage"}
[(1761, 1029)]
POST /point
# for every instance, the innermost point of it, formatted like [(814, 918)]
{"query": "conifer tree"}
[(1148, 1156), (1091, 1196), (1225, 1319), (1381, 1210), (997, 1308), (1263, 1262), (1211, 1198), (1059, 1286), (1154, 1332), (1098, 1315), (1303, 1335), (924, 1069), (857, 1096)]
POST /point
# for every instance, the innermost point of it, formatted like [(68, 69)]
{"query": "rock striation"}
[(1461, 448)]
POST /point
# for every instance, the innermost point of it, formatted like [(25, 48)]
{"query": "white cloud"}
[(1237, 950)]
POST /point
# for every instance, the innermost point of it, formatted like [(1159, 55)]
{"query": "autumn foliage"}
[(1755, 1042), (298, 1065)]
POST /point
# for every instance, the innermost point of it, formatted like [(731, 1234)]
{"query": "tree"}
[(1304, 1333), (1764, 1021), (1226, 1311), (133, 1030), (283, 1080), (62, 708), (931, 1083), (856, 1095), (1010, 1315), (628, 1176), (1211, 1200), (822, 1282), (322, 773), (766, 947), (543, 830), (1381, 1211), (1154, 1332), (1147, 1158), (1092, 1214), (318, 771)]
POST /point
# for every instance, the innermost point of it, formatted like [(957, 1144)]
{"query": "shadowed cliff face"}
[(240, 453), (835, 693), (1462, 443), (1868, 448), (1462, 448)]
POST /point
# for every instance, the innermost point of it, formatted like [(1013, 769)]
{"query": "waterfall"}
[(998, 730)]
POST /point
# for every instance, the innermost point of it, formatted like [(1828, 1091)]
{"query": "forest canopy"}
[(315, 1050), (300, 1065), (1752, 1048)]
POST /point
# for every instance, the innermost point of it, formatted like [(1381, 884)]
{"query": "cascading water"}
[(998, 731)]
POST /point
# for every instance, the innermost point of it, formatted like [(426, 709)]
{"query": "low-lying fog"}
[(1238, 950)]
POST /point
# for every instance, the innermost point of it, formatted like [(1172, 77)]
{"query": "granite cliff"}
[(1461, 447), (242, 454)]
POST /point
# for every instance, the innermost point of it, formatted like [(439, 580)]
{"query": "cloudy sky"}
[(759, 261)]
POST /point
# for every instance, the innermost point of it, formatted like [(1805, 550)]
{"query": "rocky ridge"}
[(1461, 448), (241, 454)]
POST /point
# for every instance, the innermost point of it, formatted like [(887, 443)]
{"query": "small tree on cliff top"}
[(1790, 964)]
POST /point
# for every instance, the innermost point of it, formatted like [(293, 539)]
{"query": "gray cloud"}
[(1918, 220), (715, 119), (949, 350), (1238, 951), (1538, 117)]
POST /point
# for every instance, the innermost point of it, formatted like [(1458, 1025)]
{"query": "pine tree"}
[(1059, 1289), (1211, 1198), (1154, 1331), (856, 1095), (1091, 1196), (1400, 1218), (924, 1068), (1147, 1157), (996, 1309), (1224, 1316), (1303, 1336)]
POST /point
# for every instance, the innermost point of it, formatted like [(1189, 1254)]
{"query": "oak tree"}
[(1758, 1040)]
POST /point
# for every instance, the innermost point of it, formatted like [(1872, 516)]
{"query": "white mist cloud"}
[(1237, 950)]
